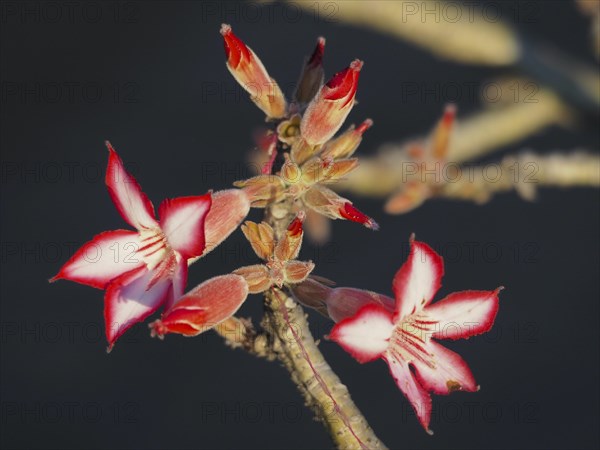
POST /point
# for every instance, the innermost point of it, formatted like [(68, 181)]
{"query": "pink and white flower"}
[(145, 269), (404, 332)]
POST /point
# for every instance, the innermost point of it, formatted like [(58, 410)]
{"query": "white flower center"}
[(410, 337), (154, 247)]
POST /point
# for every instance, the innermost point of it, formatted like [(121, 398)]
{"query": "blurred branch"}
[(461, 33), (470, 39), (591, 8), (524, 173), (472, 137)]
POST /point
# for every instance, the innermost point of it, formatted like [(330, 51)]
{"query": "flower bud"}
[(312, 293), (346, 302), (297, 271), (312, 75), (250, 73), (289, 245), (290, 171), (228, 209), (330, 204), (316, 170), (204, 307), (349, 212), (257, 277), (261, 238), (345, 145), (328, 110), (339, 169), (270, 148), (262, 189)]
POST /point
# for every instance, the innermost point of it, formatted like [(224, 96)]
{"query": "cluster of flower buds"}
[(147, 269), (310, 158), (281, 266), (430, 167), (403, 330)]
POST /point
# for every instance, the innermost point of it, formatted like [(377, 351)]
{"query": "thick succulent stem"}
[(295, 347), (287, 337), (323, 391)]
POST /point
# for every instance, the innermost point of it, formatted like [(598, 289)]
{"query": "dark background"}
[(150, 76)]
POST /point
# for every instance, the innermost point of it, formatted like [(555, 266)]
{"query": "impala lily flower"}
[(250, 73), (403, 331), (203, 308), (145, 269)]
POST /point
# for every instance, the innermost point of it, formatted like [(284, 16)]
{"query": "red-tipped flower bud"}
[(250, 73), (330, 204), (289, 245), (295, 227), (346, 144), (351, 213), (203, 307), (328, 110)]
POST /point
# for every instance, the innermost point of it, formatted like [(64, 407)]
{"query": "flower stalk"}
[(294, 346)]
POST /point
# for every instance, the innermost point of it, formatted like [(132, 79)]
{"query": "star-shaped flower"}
[(145, 269), (404, 331)]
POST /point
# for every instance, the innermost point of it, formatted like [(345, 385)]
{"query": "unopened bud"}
[(250, 73), (289, 245), (204, 307), (346, 144), (328, 110), (312, 75)]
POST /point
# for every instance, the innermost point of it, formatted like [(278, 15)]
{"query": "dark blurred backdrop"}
[(150, 76)]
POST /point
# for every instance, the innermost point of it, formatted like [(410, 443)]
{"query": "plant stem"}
[(288, 338), (295, 347)]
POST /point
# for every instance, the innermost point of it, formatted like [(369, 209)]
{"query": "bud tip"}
[(368, 123)]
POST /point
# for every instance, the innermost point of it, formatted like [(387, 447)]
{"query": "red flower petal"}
[(107, 256), (131, 202), (182, 221), (464, 314), (346, 302), (203, 307), (128, 301), (418, 279), (444, 371), (365, 335), (343, 85), (235, 49), (418, 397)]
